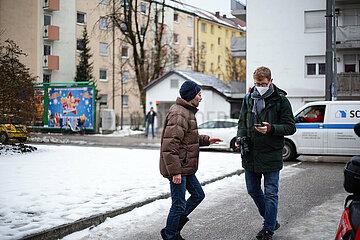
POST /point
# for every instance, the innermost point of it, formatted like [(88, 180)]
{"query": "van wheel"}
[(3, 137), (289, 152), (233, 147)]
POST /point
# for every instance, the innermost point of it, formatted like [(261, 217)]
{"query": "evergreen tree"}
[(16, 83), (85, 68)]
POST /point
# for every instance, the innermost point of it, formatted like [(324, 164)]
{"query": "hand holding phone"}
[(258, 124)]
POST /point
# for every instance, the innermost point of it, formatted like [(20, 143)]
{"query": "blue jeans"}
[(152, 128), (179, 205), (267, 204)]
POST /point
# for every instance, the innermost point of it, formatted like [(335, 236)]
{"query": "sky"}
[(222, 6)]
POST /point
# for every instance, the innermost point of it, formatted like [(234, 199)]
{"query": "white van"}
[(329, 134)]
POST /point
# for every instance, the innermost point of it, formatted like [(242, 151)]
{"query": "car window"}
[(229, 124), (205, 125), (311, 114)]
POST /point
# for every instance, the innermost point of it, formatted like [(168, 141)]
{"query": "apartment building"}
[(292, 42), (41, 29)]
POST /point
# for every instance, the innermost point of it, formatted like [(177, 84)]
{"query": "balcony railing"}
[(51, 32), (348, 84), (52, 5), (51, 62), (238, 47), (238, 9), (348, 36)]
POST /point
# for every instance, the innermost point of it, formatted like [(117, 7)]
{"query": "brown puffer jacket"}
[(180, 140)]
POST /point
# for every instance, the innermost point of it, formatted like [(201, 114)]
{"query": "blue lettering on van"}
[(325, 126), (340, 114), (355, 114)]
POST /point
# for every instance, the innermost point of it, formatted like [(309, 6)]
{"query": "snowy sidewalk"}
[(61, 184)]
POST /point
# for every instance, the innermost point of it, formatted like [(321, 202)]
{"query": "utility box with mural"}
[(65, 106)]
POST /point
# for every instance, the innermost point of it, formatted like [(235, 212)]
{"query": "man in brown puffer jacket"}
[(179, 157)]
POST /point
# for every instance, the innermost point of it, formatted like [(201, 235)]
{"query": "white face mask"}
[(262, 90)]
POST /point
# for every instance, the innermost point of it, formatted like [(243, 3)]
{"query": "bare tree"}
[(235, 68), (135, 26)]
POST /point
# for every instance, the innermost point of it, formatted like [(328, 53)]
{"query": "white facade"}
[(165, 91), (285, 36)]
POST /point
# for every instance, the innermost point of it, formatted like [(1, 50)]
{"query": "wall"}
[(277, 39)]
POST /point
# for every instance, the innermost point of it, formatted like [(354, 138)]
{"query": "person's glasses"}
[(261, 84)]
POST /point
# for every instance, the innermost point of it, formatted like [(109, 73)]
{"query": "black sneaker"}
[(162, 232), (267, 235), (260, 234)]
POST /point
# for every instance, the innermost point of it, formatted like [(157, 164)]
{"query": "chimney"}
[(224, 16), (217, 14)]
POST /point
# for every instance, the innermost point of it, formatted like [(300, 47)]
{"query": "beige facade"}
[(42, 29)]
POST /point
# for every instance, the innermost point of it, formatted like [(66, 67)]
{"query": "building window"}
[(219, 76), (125, 77), (143, 8), (79, 45), (212, 67), (212, 29), (226, 33), (176, 17), (350, 62), (189, 62), (176, 60), (232, 34), (315, 65), (106, 2), (47, 49), (212, 48), (125, 52), (143, 31), (103, 23), (81, 18), (219, 59), (203, 27), (103, 49), (125, 101), (311, 69), (189, 41), (103, 75), (174, 83), (203, 47), (202, 66), (103, 100), (321, 68), (314, 21), (189, 21), (46, 78), (219, 41), (47, 19), (176, 38)]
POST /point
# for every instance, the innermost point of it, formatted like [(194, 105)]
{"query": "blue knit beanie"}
[(189, 90)]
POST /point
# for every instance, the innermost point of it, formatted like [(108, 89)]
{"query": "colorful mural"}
[(71, 107)]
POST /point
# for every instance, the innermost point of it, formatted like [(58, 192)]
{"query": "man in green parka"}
[(265, 118)]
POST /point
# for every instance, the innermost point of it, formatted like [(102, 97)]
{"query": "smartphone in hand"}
[(258, 124)]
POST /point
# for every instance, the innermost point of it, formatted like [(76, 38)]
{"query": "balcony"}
[(347, 37), (51, 32), (238, 9), (348, 84), (51, 5), (238, 47), (51, 62)]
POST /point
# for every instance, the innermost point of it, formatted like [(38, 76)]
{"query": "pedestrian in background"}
[(265, 118), (179, 158), (150, 117)]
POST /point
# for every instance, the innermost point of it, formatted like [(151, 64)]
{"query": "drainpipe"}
[(334, 97), (329, 51)]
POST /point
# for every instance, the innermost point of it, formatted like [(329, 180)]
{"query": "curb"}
[(92, 221)]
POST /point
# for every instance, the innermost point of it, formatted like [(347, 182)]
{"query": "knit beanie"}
[(189, 90)]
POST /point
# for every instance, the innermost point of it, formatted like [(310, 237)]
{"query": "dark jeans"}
[(152, 128), (267, 204), (179, 205)]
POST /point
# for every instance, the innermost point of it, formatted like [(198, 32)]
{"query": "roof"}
[(206, 15), (203, 80)]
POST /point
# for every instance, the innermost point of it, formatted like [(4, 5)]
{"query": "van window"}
[(313, 114)]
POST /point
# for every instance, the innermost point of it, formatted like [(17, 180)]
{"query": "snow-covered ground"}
[(60, 184), (320, 223)]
